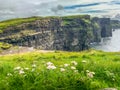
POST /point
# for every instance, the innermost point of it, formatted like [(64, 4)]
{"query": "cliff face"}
[(106, 28), (96, 29), (71, 33), (115, 24), (101, 28)]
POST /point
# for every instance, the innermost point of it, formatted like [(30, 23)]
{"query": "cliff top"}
[(18, 21), (14, 22)]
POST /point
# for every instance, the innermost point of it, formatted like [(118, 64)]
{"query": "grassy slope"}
[(15, 22), (105, 65)]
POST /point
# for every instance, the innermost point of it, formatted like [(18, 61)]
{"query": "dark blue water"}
[(111, 44)]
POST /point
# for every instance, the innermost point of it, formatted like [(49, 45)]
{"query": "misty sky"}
[(25, 8)]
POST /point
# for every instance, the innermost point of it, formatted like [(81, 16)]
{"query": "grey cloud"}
[(57, 9), (25, 8)]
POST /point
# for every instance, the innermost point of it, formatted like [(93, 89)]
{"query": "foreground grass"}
[(88, 70)]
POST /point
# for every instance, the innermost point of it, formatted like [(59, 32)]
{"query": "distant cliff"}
[(71, 33), (115, 24)]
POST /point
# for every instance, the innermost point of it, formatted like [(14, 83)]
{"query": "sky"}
[(26, 8)]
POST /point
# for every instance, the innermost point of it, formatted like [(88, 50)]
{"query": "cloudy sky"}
[(25, 8)]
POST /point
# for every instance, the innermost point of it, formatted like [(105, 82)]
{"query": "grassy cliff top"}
[(18, 21), (14, 22)]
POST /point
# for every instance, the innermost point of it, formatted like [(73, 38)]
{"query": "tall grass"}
[(88, 70)]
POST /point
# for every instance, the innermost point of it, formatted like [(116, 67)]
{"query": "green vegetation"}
[(115, 24), (22, 33), (76, 17), (96, 25), (15, 22), (73, 20), (87, 21), (4, 46), (87, 70)]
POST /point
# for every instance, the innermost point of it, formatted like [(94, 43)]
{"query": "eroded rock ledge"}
[(71, 33)]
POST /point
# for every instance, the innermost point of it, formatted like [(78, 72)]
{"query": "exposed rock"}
[(106, 28), (71, 33), (115, 24), (96, 29)]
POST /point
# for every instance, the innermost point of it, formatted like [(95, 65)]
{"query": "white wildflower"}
[(17, 68), (84, 61), (66, 65), (62, 69), (26, 68), (73, 68), (9, 74), (49, 63), (93, 73), (76, 71), (34, 65), (51, 67), (90, 74), (87, 71), (33, 69), (21, 72), (74, 62)]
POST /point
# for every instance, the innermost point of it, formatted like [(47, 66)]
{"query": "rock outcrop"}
[(71, 33), (115, 24), (106, 28)]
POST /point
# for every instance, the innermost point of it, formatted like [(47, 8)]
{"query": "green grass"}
[(76, 17), (20, 34), (18, 21), (15, 22), (106, 67), (4, 46)]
